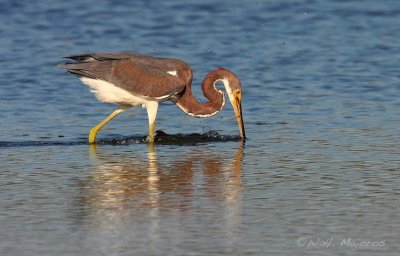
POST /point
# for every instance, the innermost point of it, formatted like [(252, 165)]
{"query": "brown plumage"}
[(129, 79)]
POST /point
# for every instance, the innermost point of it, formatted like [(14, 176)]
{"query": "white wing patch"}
[(172, 73)]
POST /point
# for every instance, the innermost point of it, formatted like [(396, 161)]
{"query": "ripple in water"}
[(175, 139), (161, 138)]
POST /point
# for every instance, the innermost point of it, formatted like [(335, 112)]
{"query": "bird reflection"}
[(120, 179), (145, 187)]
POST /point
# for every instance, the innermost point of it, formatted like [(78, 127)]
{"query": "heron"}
[(133, 79)]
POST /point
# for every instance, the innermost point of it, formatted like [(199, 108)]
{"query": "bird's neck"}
[(216, 100)]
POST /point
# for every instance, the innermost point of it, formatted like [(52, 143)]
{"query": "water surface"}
[(318, 175)]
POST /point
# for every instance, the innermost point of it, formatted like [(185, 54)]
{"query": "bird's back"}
[(140, 75)]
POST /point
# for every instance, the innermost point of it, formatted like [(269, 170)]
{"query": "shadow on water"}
[(161, 138), (143, 190)]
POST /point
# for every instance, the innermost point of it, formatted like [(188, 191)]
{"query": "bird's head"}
[(234, 90)]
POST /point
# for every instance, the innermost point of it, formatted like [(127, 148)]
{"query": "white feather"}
[(228, 89), (172, 73), (109, 93)]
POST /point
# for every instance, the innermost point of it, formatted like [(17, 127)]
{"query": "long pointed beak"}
[(237, 107)]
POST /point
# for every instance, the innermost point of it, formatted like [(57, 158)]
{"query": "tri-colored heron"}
[(131, 79)]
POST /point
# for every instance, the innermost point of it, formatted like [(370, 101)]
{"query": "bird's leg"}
[(93, 132), (152, 107)]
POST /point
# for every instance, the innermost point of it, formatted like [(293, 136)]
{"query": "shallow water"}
[(318, 174)]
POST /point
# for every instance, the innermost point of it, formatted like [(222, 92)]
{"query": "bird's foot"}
[(149, 139)]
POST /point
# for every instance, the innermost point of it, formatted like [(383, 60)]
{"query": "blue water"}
[(318, 175)]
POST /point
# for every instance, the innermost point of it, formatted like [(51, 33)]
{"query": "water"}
[(318, 175)]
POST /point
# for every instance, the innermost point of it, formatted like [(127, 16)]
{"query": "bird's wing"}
[(102, 56), (135, 73), (146, 80)]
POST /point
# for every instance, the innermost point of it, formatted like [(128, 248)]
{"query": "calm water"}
[(319, 174)]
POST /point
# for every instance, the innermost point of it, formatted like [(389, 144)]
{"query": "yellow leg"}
[(152, 107), (93, 132), (151, 136)]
